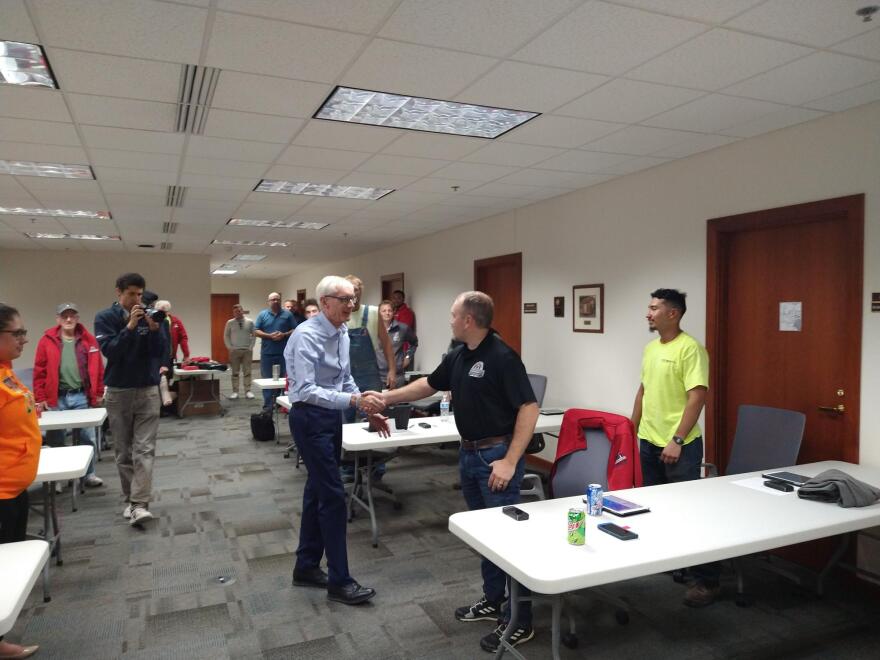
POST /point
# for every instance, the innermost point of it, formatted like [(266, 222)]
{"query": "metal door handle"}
[(839, 408)]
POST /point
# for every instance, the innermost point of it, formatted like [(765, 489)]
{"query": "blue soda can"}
[(594, 499)]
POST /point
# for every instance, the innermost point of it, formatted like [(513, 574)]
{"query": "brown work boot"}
[(700, 595)]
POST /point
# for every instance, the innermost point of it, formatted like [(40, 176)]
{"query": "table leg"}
[(371, 507), (504, 646), (842, 545), (46, 595), (56, 528), (99, 440), (77, 484)]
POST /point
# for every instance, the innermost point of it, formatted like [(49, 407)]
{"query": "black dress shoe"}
[(311, 577), (350, 594)]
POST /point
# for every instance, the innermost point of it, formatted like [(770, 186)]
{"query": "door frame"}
[(393, 277), (719, 231), (514, 259)]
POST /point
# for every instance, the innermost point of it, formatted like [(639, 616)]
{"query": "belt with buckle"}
[(65, 392), (485, 443)]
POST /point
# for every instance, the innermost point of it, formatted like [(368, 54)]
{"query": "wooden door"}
[(301, 297), (221, 312), (809, 254), (501, 278), (390, 284)]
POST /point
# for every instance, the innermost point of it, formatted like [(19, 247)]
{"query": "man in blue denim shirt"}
[(273, 326), (495, 413)]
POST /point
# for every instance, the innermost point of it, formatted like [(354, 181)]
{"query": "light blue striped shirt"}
[(317, 362)]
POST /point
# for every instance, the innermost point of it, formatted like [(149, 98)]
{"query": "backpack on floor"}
[(263, 426)]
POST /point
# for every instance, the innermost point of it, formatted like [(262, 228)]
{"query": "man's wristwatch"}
[(677, 439)]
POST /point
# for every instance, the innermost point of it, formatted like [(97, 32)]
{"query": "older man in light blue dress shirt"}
[(318, 365)]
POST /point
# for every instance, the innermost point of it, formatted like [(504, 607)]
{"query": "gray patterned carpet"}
[(228, 507)]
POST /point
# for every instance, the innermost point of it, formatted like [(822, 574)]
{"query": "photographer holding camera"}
[(131, 339)]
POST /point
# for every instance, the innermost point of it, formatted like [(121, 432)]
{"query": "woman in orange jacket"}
[(19, 446)]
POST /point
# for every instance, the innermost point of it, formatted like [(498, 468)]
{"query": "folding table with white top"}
[(56, 420), (20, 564)]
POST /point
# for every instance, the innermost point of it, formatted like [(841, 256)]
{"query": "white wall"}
[(635, 234), (252, 294), (36, 281)]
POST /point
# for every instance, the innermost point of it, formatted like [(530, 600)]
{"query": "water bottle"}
[(444, 407)]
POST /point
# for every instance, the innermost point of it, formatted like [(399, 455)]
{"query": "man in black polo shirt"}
[(495, 414)]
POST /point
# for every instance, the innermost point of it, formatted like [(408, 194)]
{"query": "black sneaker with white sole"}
[(483, 610), (520, 635)]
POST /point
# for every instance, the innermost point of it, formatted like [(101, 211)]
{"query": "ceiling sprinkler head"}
[(455, 188), (867, 13)]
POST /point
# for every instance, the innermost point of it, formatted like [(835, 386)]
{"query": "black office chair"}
[(535, 487)]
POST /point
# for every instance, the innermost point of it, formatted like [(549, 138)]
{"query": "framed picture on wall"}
[(588, 308)]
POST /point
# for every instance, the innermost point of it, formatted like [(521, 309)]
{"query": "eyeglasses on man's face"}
[(345, 300), (18, 334)]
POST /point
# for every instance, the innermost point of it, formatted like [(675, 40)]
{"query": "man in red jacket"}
[(179, 338), (69, 375)]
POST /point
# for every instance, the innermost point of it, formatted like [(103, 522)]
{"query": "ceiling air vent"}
[(166, 245), (169, 227), (175, 196), (197, 85)]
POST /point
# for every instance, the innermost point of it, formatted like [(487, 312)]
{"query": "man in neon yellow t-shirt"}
[(674, 381)]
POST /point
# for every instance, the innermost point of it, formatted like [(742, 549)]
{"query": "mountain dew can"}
[(577, 526)]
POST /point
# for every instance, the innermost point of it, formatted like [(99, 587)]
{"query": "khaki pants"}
[(134, 423), (240, 360)]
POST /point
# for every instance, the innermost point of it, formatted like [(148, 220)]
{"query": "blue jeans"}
[(74, 401), (266, 363), (687, 468), (474, 468)]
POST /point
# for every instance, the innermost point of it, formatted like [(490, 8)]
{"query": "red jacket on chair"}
[(624, 466), (47, 362)]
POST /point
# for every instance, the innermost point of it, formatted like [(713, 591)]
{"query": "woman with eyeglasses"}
[(20, 442)]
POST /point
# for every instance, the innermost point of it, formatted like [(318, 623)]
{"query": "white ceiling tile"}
[(389, 66), (352, 15), (510, 153), (211, 147), (335, 205), (158, 177), (418, 199), (281, 49), (41, 224), (376, 180), (13, 193), (815, 76), (200, 216), (866, 45), (609, 39), (108, 75), (33, 103), (89, 202), (127, 188), (429, 145), (257, 211), (637, 165), (713, 113), (627, 101), (474, 171), (340, 135), (250, 126), (334, 159), (566, 132), (405, 165), (269, 95), (195, 193), (503, 190), (122, 113), (222, 182), (43, 153), (814, 22), (709, 11), (849, 99), (552, 179), (530, 87), (439, 185), (43, 132), (83, 226), (122, 138), (17, 24), (490, 27), (156, 199), (223, 167), (302, 173), (717, 59), (694, 144), (637, 141), (577, 160), (773, 121), (123, 213), (134, 160), (159, 31)]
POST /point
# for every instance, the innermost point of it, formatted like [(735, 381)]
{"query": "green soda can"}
[(577, 526)]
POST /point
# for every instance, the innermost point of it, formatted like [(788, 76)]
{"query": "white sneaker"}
[(93, 481), (139, 515), (249, 395), (126, 512), (234, 395), (59, 487)]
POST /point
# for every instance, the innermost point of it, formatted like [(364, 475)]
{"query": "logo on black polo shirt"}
[(477, 370)]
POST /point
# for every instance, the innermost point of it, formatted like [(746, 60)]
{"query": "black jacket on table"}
[(133, 356)]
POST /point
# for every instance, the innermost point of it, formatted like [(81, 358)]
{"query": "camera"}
[(157, 315)]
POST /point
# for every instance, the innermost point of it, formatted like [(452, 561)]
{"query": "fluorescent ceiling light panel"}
[(76, 237), (222, 271), (55, 170), (251, 243), (321, 189), (276, 224), (56, 213), (363, 106), (249, 257), (24, 64)]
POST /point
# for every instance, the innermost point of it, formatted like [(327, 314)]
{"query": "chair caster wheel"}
[(47, 599), (569, 641), (397, 506), (60, 562), (678, 576), (287, 455), (622, 617), (375, 545)]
